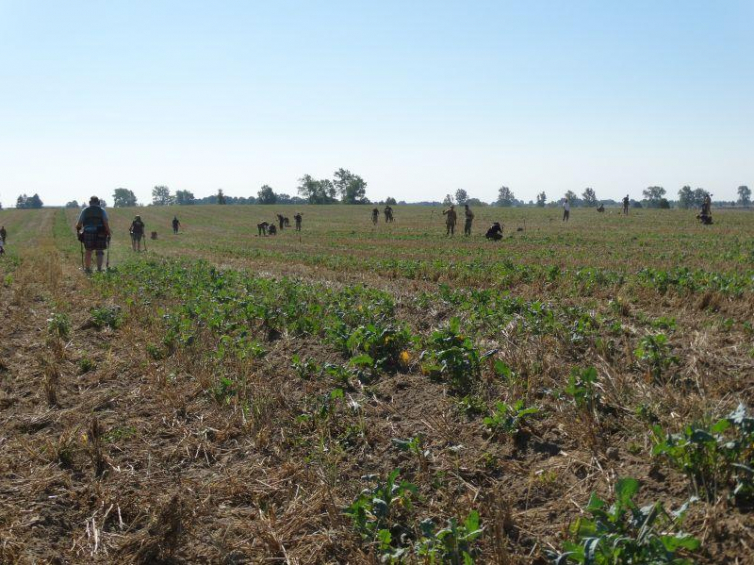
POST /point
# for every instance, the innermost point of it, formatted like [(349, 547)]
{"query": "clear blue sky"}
[(420, 98)]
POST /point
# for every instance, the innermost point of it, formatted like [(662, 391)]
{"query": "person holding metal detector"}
[(93, 230)]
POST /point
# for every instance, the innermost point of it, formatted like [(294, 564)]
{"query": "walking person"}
[(375, 215), (625, 205), (298, 218), (93, 230), (3, 233), (137, 233), (176, 225), (566, 209)]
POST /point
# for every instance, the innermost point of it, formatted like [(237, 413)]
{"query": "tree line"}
[(348, 188)]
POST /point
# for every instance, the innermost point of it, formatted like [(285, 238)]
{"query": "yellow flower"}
[(405, 357)]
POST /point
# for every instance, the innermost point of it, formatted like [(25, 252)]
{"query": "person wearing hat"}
[(93, 229), (137, 233)]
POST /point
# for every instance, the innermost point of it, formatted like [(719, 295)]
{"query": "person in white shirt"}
[(566, 209)]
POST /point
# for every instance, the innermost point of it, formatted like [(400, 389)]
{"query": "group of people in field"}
[(388, 211), (267, 228), (93, 226), (494, 232)]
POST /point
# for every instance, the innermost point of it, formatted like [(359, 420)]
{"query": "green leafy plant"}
[(582, 388), (383, 345), (509, 419), (713, 456), (452, 358), (376, 512), (305, 370), (86, 365), (655, 351), (454, 544), (623, 533), (59, 325), (106, 316)]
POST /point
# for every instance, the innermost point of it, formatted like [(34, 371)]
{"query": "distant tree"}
[(161, 196), (572, 198), (329, 190), (283, 198), (699, 195), (505, 197), (541, 199), (356, 191), (448, 200), (72, 204), (102, 202), (590, 197), (461, 196), (266, 195), (308, 187), (221, 197), (351, 187), (390, 201), (744, 196), (123, 198), (664, 204), (184, 197), (686, 197), (341, 179), (654, 195), (475, 202), (28, 202)]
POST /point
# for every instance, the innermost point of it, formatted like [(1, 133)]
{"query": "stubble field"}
[(357, 393)]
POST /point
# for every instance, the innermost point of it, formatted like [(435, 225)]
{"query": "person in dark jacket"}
[(93, 229)]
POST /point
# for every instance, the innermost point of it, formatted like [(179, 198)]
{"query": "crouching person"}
[(495, 232)]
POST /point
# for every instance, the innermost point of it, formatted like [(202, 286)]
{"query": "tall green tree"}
[(350, 187), (317, 191), (221, 197), (123, 198), (698, 198), (448, 200), (685, 197), (28, 202), (461, 196), (744, 196), (505, 197), (161, 196), (184, 197), (266, 195), (541, 199), (654, 195), (590, 197), (356, 191)]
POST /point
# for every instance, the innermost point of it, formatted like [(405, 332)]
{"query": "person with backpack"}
[(137, 233), (93, 230), (176, 225)]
